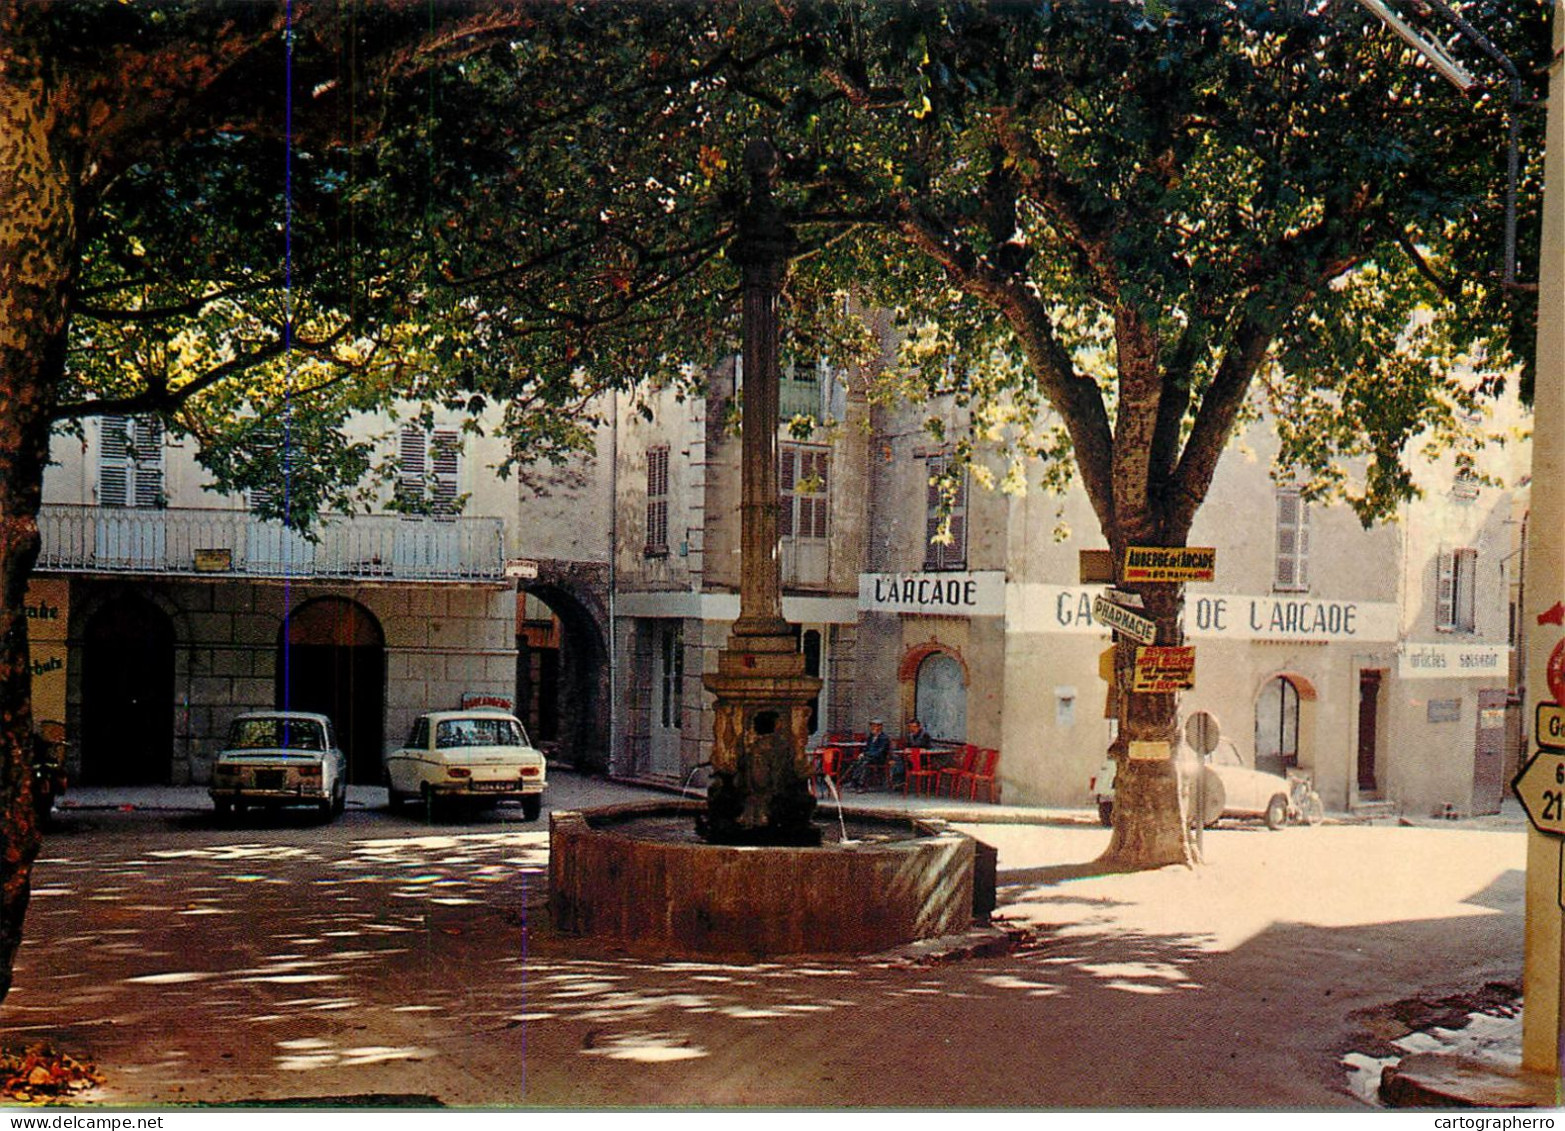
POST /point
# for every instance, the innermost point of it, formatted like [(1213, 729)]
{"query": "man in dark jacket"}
[(876, 752)]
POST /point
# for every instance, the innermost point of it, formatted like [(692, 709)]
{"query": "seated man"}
[(876, 752)]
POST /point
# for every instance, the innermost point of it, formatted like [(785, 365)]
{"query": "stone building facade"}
[(1379, 661), (183, 608)]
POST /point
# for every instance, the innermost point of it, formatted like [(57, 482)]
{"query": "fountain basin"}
[(672, 897)]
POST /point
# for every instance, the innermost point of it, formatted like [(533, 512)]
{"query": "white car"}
[(278, 758), (1232, 789), (480, 757)]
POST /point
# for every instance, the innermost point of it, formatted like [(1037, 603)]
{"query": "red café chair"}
[(828, 767), (879, 777), (984, 773), (921, 774), (953, 777)]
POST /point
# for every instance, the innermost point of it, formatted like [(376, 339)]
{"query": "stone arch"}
[(907, 670), (562, 675), (331, 658), (128, 648), (1284, 716), (933, 679)]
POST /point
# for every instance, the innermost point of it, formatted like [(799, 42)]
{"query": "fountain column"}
[(759, 792)]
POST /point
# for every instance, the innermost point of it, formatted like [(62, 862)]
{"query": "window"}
[(943, 500), (802, 480), (673, 669), (1277, 727), (130, 462), (1456, 572), (657, 501), (1292, 561), (429, 470), (269, 499)]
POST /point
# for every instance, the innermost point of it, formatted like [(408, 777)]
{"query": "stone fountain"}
[(758, 880)]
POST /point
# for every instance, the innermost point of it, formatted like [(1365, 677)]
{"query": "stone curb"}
[(1442, 1079)]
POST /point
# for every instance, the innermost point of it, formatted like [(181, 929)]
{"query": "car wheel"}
[(532, 805), (1106, 814), (1314, 810), (1277, 812), (339, 800)]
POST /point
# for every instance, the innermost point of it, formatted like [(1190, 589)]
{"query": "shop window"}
[(1456, 573)]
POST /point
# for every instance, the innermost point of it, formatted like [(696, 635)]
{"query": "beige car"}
[(279, 758), (474, 757), (1226, 788)]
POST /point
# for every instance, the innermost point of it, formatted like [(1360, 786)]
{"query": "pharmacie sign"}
[(976, 594), (1068, 609)]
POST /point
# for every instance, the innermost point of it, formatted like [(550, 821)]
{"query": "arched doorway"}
[(940, 696), (561, 668), (1277, 726), (332, 659), (127, 694)]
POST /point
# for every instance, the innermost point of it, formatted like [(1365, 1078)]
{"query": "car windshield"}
[(276, 734), (496, 730)]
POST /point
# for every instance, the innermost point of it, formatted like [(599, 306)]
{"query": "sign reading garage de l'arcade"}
[(1068, 609)]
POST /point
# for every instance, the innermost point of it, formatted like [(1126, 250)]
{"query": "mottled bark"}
[(84, 94), (1149, 824), (39, 162)]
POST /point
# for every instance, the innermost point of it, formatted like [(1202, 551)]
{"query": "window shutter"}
[(1445, 590), (657, 499), (951, 554), (410, 463), (1302, 555), (445, 466), (1292, 542), (130, 462), (1464, 591), (114, 461), (817, 474)]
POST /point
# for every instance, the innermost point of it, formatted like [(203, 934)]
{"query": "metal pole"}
[(1542, 984)]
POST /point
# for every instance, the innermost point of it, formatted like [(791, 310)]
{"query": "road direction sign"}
[(1549, 726), (1541, 789), (1110, 615)]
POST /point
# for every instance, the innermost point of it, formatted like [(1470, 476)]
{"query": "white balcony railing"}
[(175, 541)]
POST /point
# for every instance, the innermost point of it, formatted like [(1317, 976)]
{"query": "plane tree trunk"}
[(39, 160)]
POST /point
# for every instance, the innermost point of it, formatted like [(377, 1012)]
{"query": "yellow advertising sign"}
[(1170, 563), (48, 605), (1164, 669)]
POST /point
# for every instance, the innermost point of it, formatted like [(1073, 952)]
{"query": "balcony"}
[(178, 542)]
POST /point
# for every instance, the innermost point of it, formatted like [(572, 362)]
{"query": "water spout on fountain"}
[(684, 790), (842, 825)]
